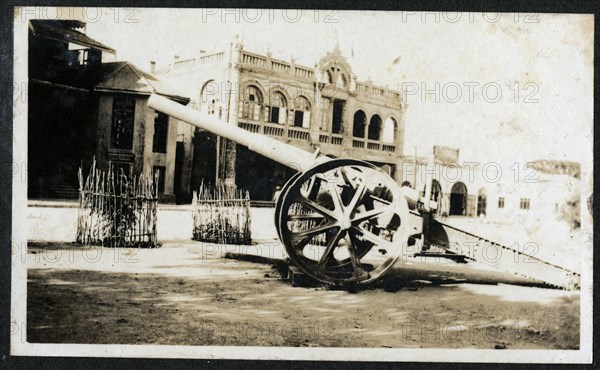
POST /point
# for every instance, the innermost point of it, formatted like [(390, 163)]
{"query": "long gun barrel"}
[(288, 155), (356, 208)]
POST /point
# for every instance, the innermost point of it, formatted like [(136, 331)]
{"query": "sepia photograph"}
[(302, 184)]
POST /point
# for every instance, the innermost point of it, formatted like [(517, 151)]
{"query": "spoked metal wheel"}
[(343, 222)]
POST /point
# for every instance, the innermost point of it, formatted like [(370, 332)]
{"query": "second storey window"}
[(337, 117), (524, 203), (251, 103), (277, 110), (501, 202), (123, 117), (301, 112), (161, 130)]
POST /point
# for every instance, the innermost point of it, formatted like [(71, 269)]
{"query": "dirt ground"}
[(180, 294)]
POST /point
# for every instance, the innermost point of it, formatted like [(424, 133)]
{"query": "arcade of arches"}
[(374, 128)]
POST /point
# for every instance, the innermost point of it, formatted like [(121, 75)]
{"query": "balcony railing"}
[(303, 72), (337, 139), (358, 143), (274, 130), (252, 127), (277, 65), (298, 134), (280, 67), (184, 64), (388, 148), (302, 134), (254, 59), (212, 58), (373, 145)]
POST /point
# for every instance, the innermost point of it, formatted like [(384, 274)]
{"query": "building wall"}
[(141, 155), (547, 194), (226, 74)]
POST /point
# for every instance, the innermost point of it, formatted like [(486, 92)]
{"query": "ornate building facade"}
[(324, 108)]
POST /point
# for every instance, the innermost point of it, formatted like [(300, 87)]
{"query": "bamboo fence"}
[(117, 209), (221, 215)]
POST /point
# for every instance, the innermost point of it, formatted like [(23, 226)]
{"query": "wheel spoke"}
[(317, 207), (375, 239), (370, 214), (300, 235), (358, 270), (358, 195), (328, 252), (335, 196), (309, 216)]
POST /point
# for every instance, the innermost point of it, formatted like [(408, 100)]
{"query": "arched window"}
[(458, 199), (360, 122), (251, 103), (301, 112), (389, 130), (209, 98), (277, 108), (375, 127)]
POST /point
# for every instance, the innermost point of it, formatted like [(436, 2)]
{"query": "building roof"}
[(64, 31), (126, 77)]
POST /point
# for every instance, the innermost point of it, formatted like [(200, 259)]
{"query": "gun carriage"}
[(347, 222)]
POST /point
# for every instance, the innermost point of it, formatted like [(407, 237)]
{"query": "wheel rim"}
[(343, 222)]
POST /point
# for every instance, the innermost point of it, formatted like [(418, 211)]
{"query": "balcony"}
[(299, 134), (388, 148), (274, 130), (373, 145), (358, 143), (337, 139), (252, 127)]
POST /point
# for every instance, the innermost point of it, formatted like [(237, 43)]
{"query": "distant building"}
[(81, 106), (324, 108), (548, 191)]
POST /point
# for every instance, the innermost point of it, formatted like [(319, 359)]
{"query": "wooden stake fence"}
[(221, 215), (117, 210)]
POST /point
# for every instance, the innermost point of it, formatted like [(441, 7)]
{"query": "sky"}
[(500, 87)]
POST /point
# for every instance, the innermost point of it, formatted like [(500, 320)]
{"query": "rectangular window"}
[(82, 56), (161, 131), (123, 116), (161, 177), (501, 202), (336, 122), (298, 118), (524, 203), (274, 115)]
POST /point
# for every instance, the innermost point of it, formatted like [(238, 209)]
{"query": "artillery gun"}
[(346, 222)]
